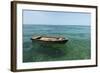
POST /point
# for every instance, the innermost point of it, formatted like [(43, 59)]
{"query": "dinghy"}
[(50, 39)]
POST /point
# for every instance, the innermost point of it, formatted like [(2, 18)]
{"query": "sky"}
[(55, 18)]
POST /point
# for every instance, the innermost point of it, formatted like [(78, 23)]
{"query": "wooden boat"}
[(49, 39)]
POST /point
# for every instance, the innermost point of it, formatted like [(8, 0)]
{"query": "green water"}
[(77, 48)]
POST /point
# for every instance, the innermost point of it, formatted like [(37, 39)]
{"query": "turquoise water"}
[(77, 48)]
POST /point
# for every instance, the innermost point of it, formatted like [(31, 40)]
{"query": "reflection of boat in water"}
[(49, 39)]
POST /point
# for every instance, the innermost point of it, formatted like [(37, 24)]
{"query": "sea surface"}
[(77, 48)]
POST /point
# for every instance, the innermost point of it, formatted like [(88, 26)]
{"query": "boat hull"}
[(49, 41), (59, 42)]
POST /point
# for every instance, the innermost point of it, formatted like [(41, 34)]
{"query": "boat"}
[(49, 39)]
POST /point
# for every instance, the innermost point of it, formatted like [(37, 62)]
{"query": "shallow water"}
[(77, 48)]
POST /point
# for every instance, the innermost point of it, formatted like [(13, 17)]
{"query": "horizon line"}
[(52, 24)]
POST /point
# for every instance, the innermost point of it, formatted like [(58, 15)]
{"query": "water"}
[(77, 48)]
